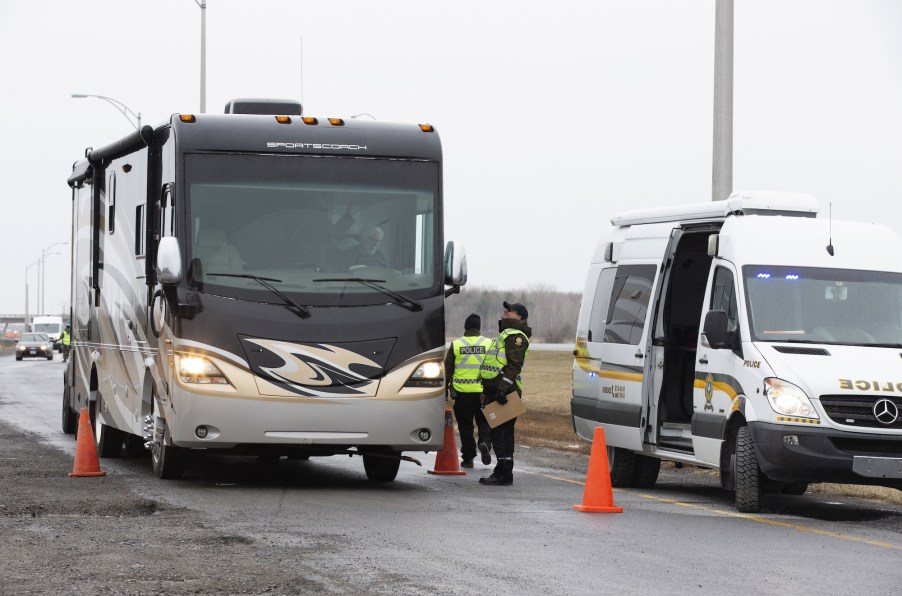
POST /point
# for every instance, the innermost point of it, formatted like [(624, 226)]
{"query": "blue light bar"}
[(764, 276), (792, 276)]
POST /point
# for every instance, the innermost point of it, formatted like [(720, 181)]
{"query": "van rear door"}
[(622, 407)]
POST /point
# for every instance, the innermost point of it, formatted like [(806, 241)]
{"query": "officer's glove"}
[(501, 397), (452, 392)]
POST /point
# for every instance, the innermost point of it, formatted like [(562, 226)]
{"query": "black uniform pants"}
[(503, 439), (468, 408)]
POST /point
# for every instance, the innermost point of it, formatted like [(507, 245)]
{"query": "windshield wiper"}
[(299, 310), (403, 301)]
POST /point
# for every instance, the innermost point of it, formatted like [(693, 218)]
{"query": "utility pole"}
[(722, 170)]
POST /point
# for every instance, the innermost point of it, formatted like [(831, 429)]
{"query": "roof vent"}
[(267, 107)]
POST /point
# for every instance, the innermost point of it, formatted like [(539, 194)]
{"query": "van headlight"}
[(428, 374), (199, 370), (787, 399)]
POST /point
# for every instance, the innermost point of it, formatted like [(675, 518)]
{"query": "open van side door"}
[(623, 407)]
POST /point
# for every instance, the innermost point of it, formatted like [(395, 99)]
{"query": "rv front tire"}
[(381, 465)]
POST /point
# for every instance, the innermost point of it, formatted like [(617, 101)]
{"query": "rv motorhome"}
[(210, 311), (745, 335)]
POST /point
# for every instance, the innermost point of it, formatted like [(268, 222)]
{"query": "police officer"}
[(65, 338), (462, 364), (500, 374)]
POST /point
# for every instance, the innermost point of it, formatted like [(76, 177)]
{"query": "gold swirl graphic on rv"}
[(317, 369)]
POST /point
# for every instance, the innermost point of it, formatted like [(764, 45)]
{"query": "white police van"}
[(745, 335)]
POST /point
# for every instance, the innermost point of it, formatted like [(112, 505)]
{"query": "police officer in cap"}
[(500, 374), (462, 364)]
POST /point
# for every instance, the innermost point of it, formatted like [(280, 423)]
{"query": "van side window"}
[(600, 304), (723, 296), (629, 304)]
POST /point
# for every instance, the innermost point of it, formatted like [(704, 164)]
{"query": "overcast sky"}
[(553, 115)]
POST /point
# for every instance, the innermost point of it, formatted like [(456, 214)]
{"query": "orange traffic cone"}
[(86, 462), (446, 463), (598, 496)]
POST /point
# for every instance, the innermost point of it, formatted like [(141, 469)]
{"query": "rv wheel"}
[(168, 460), (747, 476), (381, 465), (108, 439), (622, 464), (70, 418)]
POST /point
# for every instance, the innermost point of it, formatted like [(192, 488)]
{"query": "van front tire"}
[(622, 466), (747, 476)]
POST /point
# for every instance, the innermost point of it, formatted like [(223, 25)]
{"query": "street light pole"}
[(722, 167), (123, 109), (203, 54), (27, 269), (44, 255)]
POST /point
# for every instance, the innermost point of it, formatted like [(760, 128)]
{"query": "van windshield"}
[(824, 306), (309, 224), (47, 327)]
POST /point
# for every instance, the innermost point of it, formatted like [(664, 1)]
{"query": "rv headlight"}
[(787, 399), (428, 374), (197, 369)]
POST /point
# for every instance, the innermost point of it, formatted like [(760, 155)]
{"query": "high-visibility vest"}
[(65, 338), (496, 359), (469, 352)]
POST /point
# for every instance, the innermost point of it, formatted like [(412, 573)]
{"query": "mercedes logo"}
[(886, 411)]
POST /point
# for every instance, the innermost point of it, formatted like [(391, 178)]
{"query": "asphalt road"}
[(240, 525)]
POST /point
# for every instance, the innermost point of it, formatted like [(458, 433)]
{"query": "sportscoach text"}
[(273, 145)]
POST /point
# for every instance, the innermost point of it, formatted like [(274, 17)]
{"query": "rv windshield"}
[(305, 220), (824, 306)]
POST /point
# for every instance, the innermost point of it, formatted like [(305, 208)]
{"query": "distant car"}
[(34, 345)]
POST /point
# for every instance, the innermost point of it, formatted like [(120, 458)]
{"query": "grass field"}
[(547, 423)]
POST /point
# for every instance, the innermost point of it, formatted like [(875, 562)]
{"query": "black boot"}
[(502, 475), (507, 477)]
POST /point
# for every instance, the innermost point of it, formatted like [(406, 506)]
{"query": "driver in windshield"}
[(365, 254)]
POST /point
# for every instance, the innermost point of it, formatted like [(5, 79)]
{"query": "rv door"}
[(623, 408)]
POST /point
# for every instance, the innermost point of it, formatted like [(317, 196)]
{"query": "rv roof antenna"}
[(830, 244)]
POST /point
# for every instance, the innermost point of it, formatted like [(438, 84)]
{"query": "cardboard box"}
[(497, 414)]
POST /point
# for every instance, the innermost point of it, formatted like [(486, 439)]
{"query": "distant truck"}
[(747, 336), (51, 325)]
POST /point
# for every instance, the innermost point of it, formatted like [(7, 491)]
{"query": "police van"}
[(749, 336)]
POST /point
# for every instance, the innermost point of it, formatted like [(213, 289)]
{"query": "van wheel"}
[(108, 439), (622, 465), (381, 469), (747, 476), (646, 471)]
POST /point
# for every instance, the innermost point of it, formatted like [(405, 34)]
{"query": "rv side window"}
[(629, 304), (600, 304), (139, 231), (723, 296)]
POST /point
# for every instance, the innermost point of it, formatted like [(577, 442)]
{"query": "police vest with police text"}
[(469, 353)]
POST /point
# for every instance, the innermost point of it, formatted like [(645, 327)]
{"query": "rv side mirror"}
[(169, 261), (455, 265), (716, 329)]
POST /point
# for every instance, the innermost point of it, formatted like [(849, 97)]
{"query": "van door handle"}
[(639, 355), (703, 360)]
